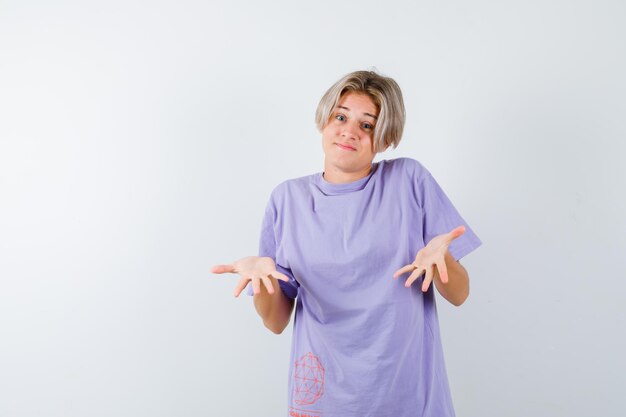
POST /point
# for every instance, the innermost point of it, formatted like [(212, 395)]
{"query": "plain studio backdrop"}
[(140, 141)]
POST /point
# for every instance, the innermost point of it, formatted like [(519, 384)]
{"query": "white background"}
[(139, 142)]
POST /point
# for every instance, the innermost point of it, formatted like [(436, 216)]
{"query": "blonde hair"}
[(386, 95)]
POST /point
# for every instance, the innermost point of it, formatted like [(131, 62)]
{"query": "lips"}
[(346, 147)]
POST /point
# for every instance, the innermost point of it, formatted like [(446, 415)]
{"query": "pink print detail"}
[(308, 379)]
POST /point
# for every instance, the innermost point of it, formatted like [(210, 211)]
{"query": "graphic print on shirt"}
[(308, 382), (308, 378)]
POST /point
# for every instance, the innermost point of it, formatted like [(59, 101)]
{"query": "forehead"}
[(358, 102)]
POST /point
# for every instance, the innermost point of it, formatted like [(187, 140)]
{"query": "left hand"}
[(431, 255)]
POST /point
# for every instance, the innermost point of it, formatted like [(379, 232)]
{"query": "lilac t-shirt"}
[(363, 344)]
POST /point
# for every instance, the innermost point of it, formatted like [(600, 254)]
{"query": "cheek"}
[(328, 134), (326, 140)]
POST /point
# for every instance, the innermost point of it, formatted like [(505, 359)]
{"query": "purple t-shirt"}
[(363, 344)]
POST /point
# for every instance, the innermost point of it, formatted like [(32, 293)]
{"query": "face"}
[(347, 138)]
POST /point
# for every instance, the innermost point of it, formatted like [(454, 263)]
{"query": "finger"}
[(404, 270), (280, 276), (268, 284), (443, 271), (243, 282), (220, 269), (428, 278), (256, 285), (414, 276), (456, 233)]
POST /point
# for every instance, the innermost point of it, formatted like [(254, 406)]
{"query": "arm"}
[(456, 290), (275, 309)]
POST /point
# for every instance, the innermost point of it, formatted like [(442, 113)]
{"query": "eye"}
[(368, 126), (340, 117)]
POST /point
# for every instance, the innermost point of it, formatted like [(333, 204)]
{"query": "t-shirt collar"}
[(330, 188)]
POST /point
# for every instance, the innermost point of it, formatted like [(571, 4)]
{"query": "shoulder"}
[(407, 167), (291, 187)]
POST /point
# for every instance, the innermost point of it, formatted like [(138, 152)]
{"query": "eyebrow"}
[(367, 114)]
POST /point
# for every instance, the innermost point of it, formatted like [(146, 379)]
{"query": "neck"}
[(336, 176)]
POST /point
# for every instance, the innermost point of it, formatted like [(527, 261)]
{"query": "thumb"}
[(456, 232)]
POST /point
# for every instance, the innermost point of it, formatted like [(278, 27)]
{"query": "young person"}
[(335, 244)]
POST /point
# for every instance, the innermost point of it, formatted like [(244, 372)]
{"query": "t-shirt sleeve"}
[(440, 216), (267, 247)]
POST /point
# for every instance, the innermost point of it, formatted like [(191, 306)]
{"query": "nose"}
[(350, 131)]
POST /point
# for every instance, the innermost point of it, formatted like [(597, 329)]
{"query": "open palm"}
[(253, 269), (430, 257)]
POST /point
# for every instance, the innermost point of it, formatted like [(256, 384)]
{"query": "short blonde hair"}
[(386, 95)]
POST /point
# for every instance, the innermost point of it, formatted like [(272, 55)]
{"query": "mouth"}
[(346, 147)]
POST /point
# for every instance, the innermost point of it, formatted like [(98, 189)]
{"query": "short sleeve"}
[(440, 216), (267, 247)]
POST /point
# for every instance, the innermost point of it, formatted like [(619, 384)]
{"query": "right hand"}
[(255, 269)]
